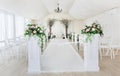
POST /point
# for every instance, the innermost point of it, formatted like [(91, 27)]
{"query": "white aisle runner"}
[(60, 56)]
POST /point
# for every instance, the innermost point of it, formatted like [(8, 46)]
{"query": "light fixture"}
[(58, 10)]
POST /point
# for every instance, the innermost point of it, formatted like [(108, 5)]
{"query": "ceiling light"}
[(58, 9)]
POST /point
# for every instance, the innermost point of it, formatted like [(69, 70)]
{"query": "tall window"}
[(19, 25), (2, 26), (2, 29), (11, 26)]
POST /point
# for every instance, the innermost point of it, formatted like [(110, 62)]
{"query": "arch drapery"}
[(66, 23)]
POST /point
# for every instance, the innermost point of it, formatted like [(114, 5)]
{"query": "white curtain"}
[(34, 54), (11, 26), (19, 26), (2, 28), (58, 29)]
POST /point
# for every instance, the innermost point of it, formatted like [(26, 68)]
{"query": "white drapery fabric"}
[(34, 54), (91, 54)]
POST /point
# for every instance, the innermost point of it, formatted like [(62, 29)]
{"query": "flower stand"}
[(34, 54), (91, 54)]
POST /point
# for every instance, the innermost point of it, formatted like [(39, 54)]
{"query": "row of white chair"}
[(108, 47), (13, 51)]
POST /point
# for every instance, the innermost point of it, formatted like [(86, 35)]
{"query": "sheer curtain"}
[(19, 26), (2, 29), (10, 27)]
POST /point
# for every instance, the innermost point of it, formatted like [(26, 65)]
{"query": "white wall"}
[(77, 26), (110, 21)]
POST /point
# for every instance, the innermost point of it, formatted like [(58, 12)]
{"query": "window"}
[(2, 29), (10, 26), (2, 26), (19, 26)]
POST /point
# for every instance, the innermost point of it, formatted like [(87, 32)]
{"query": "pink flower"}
[(32, 26), (88, 29)]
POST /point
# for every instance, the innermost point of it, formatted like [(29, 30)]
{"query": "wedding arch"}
[(65, 22)]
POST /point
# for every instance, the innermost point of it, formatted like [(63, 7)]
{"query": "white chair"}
[(115, 47), (81, 41), (104, 47), (21, 49), (5, 55), (13, 51)]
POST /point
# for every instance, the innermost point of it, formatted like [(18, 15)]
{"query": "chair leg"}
[(108, 51), (111, 53), (100, 54), (117, 52)]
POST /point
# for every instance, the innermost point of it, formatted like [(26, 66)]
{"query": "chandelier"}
[(58, 10)]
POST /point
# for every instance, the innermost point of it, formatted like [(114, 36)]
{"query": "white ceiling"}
[(38, 9)]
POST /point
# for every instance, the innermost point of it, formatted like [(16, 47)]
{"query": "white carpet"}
[(60, 56)]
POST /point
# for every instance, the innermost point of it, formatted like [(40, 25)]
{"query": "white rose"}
[(93, 29), (34, 31), (41, 31)]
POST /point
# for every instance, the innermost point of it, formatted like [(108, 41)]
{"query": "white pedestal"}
[(34, 54), (91, 54)]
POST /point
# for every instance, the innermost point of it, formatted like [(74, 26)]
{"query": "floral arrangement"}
[(90, 31), (35, 30)]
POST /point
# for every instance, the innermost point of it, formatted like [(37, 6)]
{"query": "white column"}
[(34, 53), (91, 54)]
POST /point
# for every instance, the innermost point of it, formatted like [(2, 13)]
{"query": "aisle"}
[(60, 56)]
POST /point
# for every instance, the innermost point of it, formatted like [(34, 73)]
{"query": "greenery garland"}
[(90, 31)]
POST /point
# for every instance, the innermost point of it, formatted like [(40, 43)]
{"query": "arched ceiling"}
[(33, 9), (38, 9)]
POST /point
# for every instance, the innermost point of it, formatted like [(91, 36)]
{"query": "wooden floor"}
[(108, 67)]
